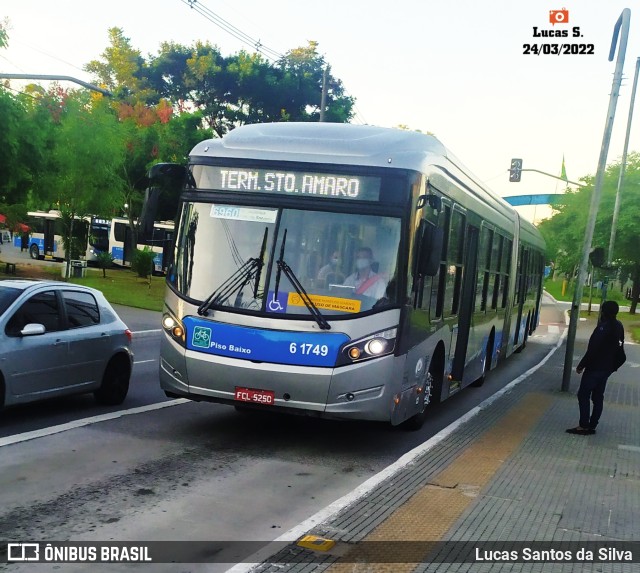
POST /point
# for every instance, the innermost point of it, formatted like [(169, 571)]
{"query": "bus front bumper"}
[(363, 391)]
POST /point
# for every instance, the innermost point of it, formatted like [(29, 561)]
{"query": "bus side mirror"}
[(148, 215), (161, 171), (430, 250), (165, 183)]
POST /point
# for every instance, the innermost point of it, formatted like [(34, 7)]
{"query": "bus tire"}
[(115, 382), (417, 420), (432, 390), (34, 252)]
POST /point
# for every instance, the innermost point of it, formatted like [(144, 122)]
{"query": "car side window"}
[(41, 308), (82, 308)]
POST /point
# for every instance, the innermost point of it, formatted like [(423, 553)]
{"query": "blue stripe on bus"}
[(276, 346)]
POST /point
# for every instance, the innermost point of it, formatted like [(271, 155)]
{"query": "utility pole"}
[(325, 88), (621, 24), (623, 166)]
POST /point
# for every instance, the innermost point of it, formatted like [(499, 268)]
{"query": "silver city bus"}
[(341, 271)]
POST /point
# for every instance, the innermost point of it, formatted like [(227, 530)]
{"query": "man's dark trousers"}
[(591, 388)]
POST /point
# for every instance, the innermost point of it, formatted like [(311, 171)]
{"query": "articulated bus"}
[(341, 271), (45, 238), (160, 241)]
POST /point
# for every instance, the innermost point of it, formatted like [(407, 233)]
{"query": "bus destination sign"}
[(301, 183)]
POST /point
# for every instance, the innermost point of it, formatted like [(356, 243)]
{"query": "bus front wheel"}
[(34, 252), (432, 393)]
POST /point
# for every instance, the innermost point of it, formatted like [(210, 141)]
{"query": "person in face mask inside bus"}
[(329, 272), (365, 281)]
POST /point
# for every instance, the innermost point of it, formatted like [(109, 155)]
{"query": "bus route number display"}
[(304, 184)]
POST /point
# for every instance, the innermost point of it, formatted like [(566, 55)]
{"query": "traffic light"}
[(515, 171)]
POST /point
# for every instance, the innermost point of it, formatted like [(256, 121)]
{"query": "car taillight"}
[(129, 335)]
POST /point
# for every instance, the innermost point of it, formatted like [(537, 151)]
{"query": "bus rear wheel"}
[(34, 252)]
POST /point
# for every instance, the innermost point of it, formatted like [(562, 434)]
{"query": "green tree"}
[(4, 34), (105, 261), (303, 70), (11, 117), (123, 70), (25, 133), (153, 134), (15, 214), (246, 88), (564, 231), (84, 162)]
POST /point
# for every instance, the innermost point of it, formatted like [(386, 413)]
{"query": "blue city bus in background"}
[(159, 241), (45, 236), (263, 308), (47, 229)]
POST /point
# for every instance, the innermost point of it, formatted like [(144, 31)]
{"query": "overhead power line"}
[(232, 30)]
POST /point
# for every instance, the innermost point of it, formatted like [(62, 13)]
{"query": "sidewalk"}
[(12, 254), (506, 483)]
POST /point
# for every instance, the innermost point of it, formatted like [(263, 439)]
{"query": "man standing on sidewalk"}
[(598, 364)]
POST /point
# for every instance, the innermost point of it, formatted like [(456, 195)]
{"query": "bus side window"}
[(505, 270), (482, 284), (455, 263), (440, 280), (496, 260)]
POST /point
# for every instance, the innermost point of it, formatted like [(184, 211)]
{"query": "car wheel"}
[(115, 382), (34, 252)]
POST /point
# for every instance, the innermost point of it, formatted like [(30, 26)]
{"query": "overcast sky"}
[(455, 68)]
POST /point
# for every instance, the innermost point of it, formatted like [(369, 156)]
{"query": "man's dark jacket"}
[(603, 343)]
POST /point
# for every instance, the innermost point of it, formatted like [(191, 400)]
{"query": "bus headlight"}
[(174, 328), (372, 346), (376, 346)]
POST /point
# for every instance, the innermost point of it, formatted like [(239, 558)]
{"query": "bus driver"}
[(365, 281)]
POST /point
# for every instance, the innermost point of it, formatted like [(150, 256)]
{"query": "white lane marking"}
[(9, 440), (137, 334), (144, 361), (635, 449), (365, 488)]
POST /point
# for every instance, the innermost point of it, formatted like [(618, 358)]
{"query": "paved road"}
[(200, 471)]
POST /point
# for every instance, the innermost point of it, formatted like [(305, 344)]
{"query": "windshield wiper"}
[(249, 271), (283, 267)]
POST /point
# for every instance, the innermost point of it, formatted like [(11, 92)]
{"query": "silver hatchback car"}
[(58, 338)]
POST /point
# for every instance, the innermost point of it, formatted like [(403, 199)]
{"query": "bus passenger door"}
[(49, 240), (521, 295), (128, 248), (467, 302)]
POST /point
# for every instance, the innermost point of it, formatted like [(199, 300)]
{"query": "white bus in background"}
[(97, 238), (121, 248), (45, 237)]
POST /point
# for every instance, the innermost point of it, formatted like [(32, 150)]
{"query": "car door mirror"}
[(33, 329)]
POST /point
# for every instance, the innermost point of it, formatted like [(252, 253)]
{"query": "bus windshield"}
[(345, 262)]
